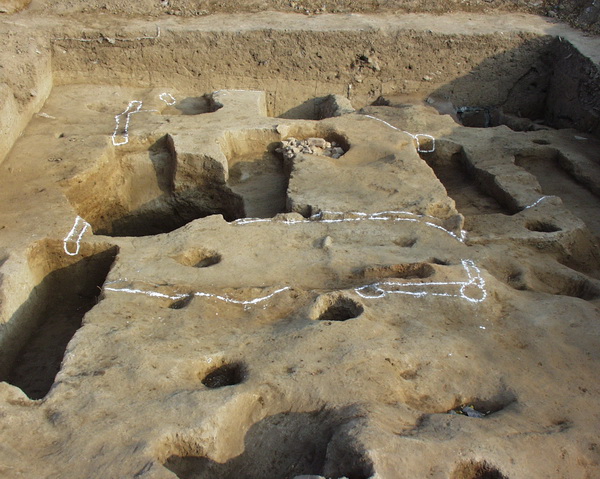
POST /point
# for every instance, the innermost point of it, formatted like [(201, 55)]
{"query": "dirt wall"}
[(25, 81), (297, 66), (503, 64), (574, 92)]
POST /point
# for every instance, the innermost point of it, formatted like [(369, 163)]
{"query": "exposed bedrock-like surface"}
[(182, 295)]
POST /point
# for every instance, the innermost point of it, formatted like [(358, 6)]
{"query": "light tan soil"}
[(178, 299), (584, 14)]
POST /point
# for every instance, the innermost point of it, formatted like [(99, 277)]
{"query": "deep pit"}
[(284, 445), (138, 193), (225, 375), (336, 308), (64, 290)]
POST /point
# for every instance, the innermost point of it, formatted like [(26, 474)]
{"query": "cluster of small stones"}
[(292, 147), (312, 476)]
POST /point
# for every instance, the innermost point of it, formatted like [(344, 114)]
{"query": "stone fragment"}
[(337, 152), (292, 147), (471, 412), (327, 242), (318, 142)]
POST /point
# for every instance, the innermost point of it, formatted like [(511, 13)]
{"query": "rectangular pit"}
[(64, 289)]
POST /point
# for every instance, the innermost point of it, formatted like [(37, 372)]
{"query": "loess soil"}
[(584, 14), (191, 287)]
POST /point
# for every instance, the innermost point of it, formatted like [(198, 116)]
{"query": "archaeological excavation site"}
[(275, 239)]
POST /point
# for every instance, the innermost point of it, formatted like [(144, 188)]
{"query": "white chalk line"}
[(379, 216), (101, 38), (176, 297), (432, 288), (382, 289), (137, 105), (414, 136), (79, 223), (137, 108), (134, 106), (538, 202), (168, 98)]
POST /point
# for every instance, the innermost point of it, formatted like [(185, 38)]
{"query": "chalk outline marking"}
[(535, 203), (175, 297), (127, 113), (171, 99), (379, 216), (383, 288), (68, 238), (415, 136)]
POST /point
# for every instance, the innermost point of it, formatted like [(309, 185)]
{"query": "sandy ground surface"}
[(181, 297), (584, 14)]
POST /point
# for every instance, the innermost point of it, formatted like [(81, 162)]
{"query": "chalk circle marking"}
[(78, 229), (168, 98)]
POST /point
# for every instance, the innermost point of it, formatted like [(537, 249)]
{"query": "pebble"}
[(318, 142), (471, 412), (292, 147), (336, 152)]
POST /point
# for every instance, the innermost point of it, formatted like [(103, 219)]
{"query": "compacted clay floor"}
[(189, 292)]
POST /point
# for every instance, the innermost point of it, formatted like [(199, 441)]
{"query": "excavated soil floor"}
[(278, 247)]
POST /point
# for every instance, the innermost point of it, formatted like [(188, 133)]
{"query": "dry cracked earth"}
[(277, 246)]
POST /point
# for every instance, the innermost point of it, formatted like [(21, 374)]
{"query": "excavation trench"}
[(145, 182), (151, 191), (505, 71), (65, 289), (147, 190), (470, 193), (523, 69), (510, 78), (137, 193)]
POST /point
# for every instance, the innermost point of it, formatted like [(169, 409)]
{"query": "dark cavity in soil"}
[(226, 375), (284, 445), (477, 470), (46, 322), (340, 309)]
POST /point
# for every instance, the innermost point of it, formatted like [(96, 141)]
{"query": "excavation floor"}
[(233, 313)]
